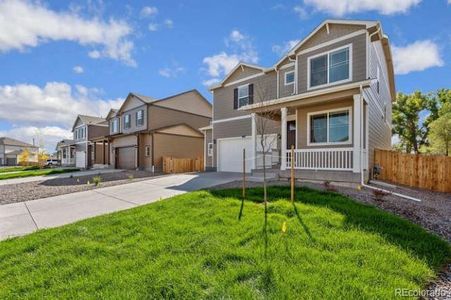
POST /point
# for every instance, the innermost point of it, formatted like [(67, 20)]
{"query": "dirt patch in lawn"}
[(20, 192)]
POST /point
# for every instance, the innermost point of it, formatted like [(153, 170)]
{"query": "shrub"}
[(96, 180)]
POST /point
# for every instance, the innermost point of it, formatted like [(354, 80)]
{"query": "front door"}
[(291, 134)]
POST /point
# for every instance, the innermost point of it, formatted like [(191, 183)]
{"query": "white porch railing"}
[(337, 159)]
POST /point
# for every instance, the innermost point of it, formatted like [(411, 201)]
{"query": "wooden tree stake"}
[(292, 173)]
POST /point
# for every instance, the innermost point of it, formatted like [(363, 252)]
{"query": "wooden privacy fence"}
[(431, 172), (182, 165)]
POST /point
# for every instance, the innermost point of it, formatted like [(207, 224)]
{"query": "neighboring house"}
[(329, 96), (11, 149), (65, 152), (86, 130), (144, 129)]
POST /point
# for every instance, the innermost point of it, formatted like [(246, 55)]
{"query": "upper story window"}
[(127, 121), (80, 133), (115, 125), (243, 95), (140, 118), (329, 127), (289, 78), (330, 68)]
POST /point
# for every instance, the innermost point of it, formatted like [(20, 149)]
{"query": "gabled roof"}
[(293, 50), (13, 142), (151, 100), (88, 120), (111, 113), (65, 142), (240, 64), (174, 126)]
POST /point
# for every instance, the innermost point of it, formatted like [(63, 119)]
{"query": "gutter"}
[(362, 180)]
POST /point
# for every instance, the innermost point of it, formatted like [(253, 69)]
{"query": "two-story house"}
[(85, 130), (144, 129), (12, 149), (329, 96)]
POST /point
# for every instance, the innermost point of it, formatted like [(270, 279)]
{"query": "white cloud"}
[(221, 64), (153, 27), (284, 48), (210, 82), (45, 137), (169, 23), (57, 103), (78, 69), (239, 48), (25, 24), (236, 36), (417, 56), (172, 72), (148, 11), (51, 108), (343, 7), (301, 12)]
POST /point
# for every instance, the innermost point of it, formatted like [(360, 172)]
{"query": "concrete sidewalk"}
[(26, 217), (62, 175)]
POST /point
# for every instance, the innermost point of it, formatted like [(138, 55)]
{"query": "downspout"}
[(362, 180)]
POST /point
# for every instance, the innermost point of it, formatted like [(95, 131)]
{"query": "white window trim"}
[(210, 149), (285, 78), (348, 142), (328, 81), (242, 86), (147, 151)]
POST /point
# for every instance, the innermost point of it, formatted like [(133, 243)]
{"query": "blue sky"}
[(60, 58)]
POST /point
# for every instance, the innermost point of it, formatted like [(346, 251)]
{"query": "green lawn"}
[(34, 172), (192, 246), (17, 168)]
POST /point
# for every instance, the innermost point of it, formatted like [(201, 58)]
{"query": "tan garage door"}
[(126, 158)]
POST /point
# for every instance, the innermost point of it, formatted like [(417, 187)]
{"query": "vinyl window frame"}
[(328, 143), (141, 123), (327, 53), (285, 77), (127, 124), (246, 86)]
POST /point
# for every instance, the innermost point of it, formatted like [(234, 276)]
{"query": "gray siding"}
[(264, 89), (285, 90), (379, 104), (97, 131), (242, 73), (358, 61), (232, 128)]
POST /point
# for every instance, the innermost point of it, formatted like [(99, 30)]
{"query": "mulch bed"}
[(20, 192)]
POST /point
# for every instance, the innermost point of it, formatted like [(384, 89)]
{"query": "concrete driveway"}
[(26, 217)]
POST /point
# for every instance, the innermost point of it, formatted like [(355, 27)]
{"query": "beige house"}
[(330, 97), (144, 129), (65, 152), (11, 149)]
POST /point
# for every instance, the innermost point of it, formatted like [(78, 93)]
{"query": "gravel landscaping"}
[(12, 193)]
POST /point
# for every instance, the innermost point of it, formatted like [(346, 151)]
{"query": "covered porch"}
[(323, 138), (99, 153)]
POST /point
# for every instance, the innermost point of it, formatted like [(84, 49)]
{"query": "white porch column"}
[(283, 132), (357, 125), (253, 155)]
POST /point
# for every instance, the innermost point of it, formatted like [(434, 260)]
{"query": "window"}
[(147, 151), (115, 126), (289, 78), (243, 95), (331, 67), (210, 149), (127, 121), (75, 134), (140, 118), (331, 127)]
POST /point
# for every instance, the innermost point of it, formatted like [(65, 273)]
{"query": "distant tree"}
[(24, 157), (440, 131), (42, 157), (412, 115)]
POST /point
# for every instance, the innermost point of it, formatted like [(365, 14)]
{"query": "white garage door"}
[(80, 159), (230, 154)]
